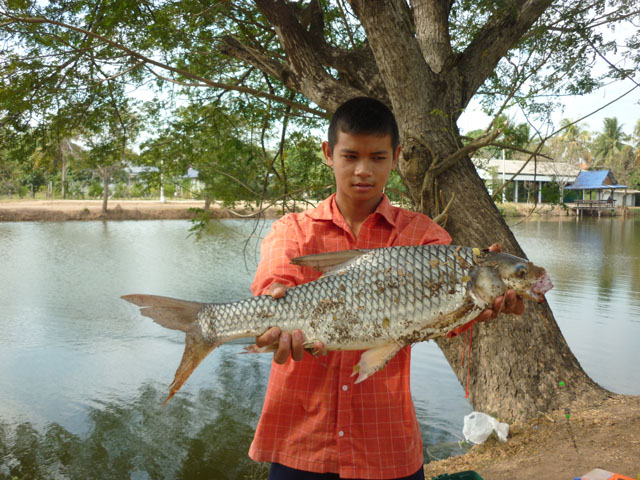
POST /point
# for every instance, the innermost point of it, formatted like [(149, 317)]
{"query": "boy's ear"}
[(396, 157), (326, 149)]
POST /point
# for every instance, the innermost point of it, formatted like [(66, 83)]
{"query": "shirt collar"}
[(328, 210)]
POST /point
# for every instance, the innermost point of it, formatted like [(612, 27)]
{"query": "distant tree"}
[(572, 145), (611, 151), (107, 136), (608, 145)]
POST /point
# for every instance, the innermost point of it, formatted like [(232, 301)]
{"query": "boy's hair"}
[(363, 115)]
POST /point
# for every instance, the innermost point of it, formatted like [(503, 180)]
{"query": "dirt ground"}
[(552, 447), (605, 436)]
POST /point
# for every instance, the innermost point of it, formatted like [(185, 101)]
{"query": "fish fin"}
[(375, 359), (168, 312), (329, 263), (177, 315), (195, 350)]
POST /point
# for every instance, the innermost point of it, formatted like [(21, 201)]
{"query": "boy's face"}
[(361, 164)]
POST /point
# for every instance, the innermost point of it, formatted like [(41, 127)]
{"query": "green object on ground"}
[(466, 475)]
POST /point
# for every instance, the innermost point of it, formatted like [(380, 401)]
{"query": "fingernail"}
[(297, 335), (285, 337)]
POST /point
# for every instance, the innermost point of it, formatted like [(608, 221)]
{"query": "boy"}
[(315, 423)]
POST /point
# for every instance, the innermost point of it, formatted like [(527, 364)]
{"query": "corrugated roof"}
[(511, 167), (595, 180)]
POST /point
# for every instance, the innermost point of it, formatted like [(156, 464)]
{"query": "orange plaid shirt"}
[(314, 418)]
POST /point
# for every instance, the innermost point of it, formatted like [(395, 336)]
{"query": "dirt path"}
[(63, 210)]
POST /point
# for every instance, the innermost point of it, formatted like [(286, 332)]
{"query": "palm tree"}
[(608, 146), (574, 142)]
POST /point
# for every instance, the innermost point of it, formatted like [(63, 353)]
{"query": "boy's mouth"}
[(363, 186)]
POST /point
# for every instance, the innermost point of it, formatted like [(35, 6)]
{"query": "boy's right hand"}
[(288, 344)]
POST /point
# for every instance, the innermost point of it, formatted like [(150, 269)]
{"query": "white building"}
[(538, 172)]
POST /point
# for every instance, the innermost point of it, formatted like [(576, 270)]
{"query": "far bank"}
[(85, 210)]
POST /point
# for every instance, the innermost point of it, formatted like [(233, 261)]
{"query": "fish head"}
[(526, 279)]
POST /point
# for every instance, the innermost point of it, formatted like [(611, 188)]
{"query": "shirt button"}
[(344, 388), (341, 433)]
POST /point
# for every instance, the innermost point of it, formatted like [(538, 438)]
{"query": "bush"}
[(95, 189)]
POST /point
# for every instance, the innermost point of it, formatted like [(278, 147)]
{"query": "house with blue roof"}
[(600, 190)]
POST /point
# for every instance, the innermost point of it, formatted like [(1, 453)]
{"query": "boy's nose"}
[(363, 169)]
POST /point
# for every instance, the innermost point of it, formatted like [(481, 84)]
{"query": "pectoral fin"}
[(329, 263), (375, 359)]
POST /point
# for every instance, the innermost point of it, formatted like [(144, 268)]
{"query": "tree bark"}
[(106, 176), (63, 177)]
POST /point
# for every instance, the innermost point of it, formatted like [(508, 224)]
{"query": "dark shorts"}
[(281, 472)]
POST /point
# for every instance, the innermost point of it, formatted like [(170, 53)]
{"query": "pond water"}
[(83, 374)]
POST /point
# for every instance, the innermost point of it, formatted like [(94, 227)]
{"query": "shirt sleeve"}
[(277, 249)]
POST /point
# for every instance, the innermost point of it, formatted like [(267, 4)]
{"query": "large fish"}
[(377, 300)]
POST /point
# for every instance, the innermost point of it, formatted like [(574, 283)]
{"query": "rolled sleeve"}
[(277, 249)]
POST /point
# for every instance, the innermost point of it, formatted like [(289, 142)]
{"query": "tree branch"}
[(124, 72), (432, 31), (438, 167), (501, 33), (309, 76), (180, 71), (233, 47)]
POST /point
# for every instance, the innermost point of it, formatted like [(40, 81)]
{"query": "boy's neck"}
[(355, 213)]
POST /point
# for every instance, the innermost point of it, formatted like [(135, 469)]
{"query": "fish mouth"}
[(539, 288)]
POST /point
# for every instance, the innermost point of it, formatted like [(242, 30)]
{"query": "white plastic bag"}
[(478, 426)]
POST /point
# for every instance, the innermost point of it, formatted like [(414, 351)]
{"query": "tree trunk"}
[(520, 365), (106, 176), (63, 179)]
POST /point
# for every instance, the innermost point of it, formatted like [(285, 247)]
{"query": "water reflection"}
[(595, 267), (140, 439)]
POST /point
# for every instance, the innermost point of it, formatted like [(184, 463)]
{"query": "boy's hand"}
[(510, 302), (288, 344)]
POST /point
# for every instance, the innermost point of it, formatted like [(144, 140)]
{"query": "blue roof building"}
[(595, 180), (600, 181)]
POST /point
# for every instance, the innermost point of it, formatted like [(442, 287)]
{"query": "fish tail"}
[(177, 315)]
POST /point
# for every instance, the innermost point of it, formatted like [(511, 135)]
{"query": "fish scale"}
[(376, 300)]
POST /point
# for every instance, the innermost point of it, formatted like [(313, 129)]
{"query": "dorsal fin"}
[(330, 263)]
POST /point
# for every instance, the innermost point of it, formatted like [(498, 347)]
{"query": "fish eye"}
[(521, 271)]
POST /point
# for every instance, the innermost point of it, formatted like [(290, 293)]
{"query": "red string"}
[(467, 327)]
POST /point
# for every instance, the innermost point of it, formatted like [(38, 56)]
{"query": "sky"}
[(626, 110)]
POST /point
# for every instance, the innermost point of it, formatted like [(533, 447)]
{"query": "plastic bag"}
[(478, 426)]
